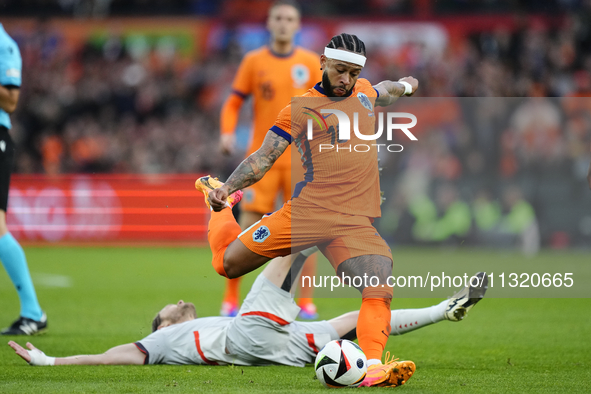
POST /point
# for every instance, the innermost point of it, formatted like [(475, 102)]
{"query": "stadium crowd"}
[(113, 106), (109, 107), (258, 8)]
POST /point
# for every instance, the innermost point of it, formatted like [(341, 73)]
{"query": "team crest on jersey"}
[(365, 101), (300, 75), (261, 234)]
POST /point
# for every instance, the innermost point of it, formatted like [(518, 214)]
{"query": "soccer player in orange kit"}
[(333, 208), (272, 75)]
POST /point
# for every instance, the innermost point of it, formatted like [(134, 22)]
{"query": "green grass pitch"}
[(97, 298)]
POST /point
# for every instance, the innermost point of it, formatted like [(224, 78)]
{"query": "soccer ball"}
[(341, 363)]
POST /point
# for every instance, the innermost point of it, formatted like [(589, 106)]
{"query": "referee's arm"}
[(9, 98)]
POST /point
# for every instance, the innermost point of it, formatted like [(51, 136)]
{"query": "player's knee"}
[(376, 268), (231, 266)]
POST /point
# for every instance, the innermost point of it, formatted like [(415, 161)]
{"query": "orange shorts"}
[(262, 196), (338, 236)]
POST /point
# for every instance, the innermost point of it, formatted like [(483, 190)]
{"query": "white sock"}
[(373, 361), (406, 320)]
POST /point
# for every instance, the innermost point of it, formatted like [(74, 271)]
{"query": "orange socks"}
[(232, 291), (373, 324), (223, 229)]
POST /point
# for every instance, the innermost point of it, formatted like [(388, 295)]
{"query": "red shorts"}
[(339, 236)]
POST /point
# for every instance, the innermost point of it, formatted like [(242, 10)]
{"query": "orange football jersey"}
[(341, 175), (272, 80)]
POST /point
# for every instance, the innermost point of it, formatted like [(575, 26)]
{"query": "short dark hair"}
[(349, 42), (291, 3), (156, 322)]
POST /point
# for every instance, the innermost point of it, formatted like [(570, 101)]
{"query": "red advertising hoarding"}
[(107, 208)]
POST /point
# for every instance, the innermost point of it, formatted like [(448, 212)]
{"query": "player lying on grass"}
[(263, 333)]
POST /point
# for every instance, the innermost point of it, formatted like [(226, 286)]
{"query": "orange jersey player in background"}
[(272, 75), (333, 207)]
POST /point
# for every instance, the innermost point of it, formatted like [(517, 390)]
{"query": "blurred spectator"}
[(512, 225), (487, 212), (520, 221), (449, 220), (536, 124), (52, 150)]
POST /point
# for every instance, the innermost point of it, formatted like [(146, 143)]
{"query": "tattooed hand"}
[(217, 198)]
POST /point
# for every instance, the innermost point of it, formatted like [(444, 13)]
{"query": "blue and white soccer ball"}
[(341, 363)]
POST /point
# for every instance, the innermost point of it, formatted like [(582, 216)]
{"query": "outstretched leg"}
[(373, 326), (403, 321), (297, 263), (230, 257)]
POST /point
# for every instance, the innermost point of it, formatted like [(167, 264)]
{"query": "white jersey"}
[(263, 333), (199, 341)]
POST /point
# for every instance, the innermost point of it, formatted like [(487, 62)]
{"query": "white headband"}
[(346, 56)]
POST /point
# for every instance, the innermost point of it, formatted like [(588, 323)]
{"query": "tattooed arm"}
[(390, 91), (255, 166), (251, 170)]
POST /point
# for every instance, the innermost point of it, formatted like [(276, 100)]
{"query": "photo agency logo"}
[(342, 133)]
